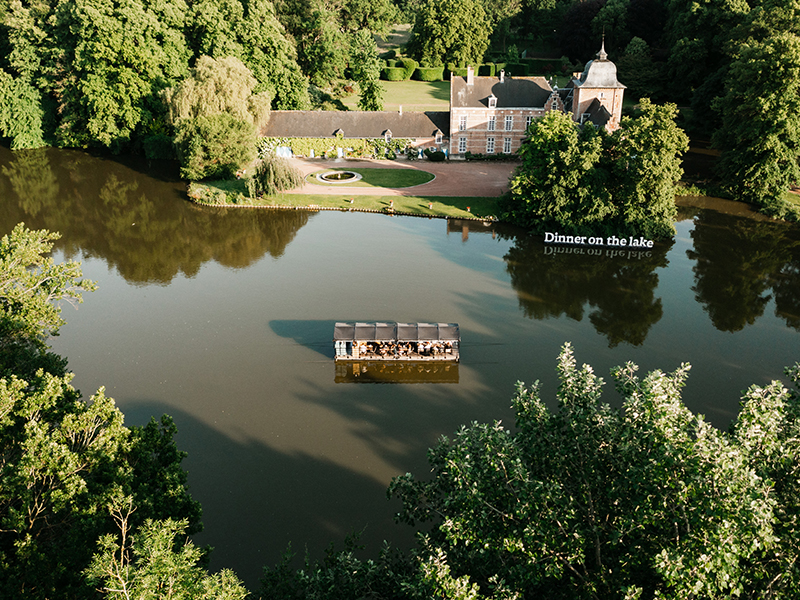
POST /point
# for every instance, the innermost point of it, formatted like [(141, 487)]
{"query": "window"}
[(387, 136), (507, 145), (509, 122), (492, 101), (462, 145), (492, 122), (490, 145), (528, 121), (462, 123), (438, 137)]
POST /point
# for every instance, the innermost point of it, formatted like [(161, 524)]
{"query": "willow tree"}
[(216, 116)]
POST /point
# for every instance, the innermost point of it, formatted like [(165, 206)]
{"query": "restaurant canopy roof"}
[(404, 332)]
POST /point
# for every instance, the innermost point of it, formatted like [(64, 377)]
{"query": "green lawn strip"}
[(419, 205), (385, 178), (235, 193), (413, 96)]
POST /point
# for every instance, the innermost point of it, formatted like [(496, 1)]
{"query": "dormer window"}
[(492, 101), (438, 136), (339, 132), (388, 136)]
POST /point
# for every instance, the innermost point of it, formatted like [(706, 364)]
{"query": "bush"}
[(409, 66), (393, 74), (275, 174), (390, 62), (429, 73), (434, 155)]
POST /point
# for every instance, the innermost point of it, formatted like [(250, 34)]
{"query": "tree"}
[(63, 458), (250, 31), (21, 112), (31, 284), (590, 501), (586, 180), (760, 132), (642, 75), (114, 58), (151, 563), (450, 31), (215, 87), (216, 116), (647, 164), (216, 146), (366, 70)]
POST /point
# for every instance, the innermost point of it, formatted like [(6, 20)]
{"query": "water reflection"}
[(741, 265), (108, 209), (619, 286), (395, 372)]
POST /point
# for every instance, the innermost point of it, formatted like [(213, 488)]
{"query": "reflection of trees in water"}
[(740, 265), (30, 179), (135, 222), (619, 285)]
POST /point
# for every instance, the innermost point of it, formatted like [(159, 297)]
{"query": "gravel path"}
[(456, 178)]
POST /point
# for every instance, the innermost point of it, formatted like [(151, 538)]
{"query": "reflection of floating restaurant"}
[(396, 371), (397, 341)]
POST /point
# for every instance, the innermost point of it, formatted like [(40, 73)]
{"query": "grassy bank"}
[(234, 193), (382, 178)]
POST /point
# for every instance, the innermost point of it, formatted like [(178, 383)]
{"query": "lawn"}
[(385, 178), (234, 192), (413, 96)]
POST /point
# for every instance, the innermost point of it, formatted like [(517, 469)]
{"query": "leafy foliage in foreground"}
[(64, 459), (585, 180), (150, 563), (594, 502)]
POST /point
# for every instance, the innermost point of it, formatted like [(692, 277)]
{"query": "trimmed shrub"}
[(429, 73), (434, 155), (393, 74), (409, 66), (486, 70), (517, 69), (456, 70), (390, 62)]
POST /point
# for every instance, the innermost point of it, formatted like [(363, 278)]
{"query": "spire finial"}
[(603, 55)]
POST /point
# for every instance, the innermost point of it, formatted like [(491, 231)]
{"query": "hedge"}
[(429, 73), (486, 70), (393, 74), (517, 69), (409, 66)]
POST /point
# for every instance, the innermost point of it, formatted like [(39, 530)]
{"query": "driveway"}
[(453, 178)]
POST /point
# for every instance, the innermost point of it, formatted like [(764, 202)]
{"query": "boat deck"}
[(408, 342)]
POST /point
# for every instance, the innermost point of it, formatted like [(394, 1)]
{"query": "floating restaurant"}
[(397, 341)]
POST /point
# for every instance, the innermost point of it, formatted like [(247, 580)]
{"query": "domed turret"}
[(597, 95)]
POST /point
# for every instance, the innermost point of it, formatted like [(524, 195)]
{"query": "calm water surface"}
[(223, 319)]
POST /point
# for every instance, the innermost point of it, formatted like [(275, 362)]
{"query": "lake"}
[(223, 318)]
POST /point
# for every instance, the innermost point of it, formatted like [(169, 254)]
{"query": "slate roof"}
[(355, 124), (514, 92)]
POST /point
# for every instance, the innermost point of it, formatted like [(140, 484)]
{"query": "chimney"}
[(401, 110), (502, 75), (470, 75)]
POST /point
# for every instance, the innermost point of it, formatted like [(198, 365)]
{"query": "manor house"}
[(487, 115)]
